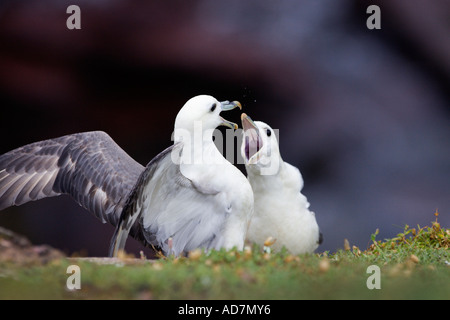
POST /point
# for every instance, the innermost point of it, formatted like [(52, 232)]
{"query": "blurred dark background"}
[(363, 113)]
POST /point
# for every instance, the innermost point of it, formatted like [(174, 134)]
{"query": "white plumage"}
[(281, 211)]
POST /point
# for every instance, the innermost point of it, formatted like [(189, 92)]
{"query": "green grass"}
[(413, 265)]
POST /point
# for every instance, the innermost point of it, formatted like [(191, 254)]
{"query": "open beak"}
[(226, 106), (252, 139)]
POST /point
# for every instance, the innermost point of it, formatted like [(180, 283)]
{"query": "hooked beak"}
[(252, 139), (226, 106)]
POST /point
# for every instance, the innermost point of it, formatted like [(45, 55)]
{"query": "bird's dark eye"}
[(269, 133), (213, 107)]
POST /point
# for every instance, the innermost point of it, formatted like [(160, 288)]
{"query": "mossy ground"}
[(413, 265)]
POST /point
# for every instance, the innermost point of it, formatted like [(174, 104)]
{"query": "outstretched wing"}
[(174, 213), (90, 167)]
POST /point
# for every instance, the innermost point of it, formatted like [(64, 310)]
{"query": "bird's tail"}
[(119, 239)]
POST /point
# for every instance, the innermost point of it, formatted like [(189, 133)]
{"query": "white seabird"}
[(281, 211), (176, 207), (202, 200)]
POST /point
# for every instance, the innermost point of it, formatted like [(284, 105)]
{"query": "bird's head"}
[(204, 111), (259, 147)]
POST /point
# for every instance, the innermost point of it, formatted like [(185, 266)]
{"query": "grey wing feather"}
[(90, 167)]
